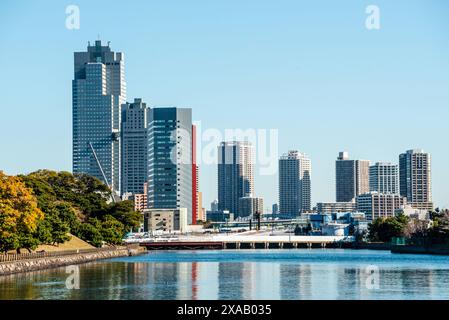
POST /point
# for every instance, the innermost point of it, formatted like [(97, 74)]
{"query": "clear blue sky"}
[(307, 68)]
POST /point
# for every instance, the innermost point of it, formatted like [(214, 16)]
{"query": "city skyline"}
[(318, 89)]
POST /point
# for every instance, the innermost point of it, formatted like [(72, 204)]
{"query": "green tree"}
[(112, 230), (383, 229), (124, 212), (90, 232)]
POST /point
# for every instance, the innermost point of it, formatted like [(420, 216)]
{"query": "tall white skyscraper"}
[(235, 174), (98, 91), (295, 190), (415, 178), (383, 178)]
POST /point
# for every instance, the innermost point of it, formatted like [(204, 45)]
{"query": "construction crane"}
[(101, 170)]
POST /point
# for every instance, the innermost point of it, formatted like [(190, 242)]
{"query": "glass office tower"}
[(98, 91)]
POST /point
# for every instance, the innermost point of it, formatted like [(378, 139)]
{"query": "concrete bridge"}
[(247, 241)]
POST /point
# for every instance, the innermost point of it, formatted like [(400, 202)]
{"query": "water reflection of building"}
[(290, 276), (230, 281), (207, 282)]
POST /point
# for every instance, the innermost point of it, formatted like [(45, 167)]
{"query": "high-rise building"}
[(376, 205), (275, 208), (235, 174), (383, 178), (98, 91), (415, 178), (249, 206), (195, 179), (294, 183), (134, 147), (214, 205), (170, 159), (352, 177)]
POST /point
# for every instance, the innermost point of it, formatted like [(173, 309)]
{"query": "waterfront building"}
[(165, 220), (294, 183), (352, 177), (170, 159), (415, 178), (249, 206), (376, 205), (275, 208), (98, 91), (134, 147), (331, 207), (384, 178), (235, 174)]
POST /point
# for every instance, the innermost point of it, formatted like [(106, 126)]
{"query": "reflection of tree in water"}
[(34, 285), (416, 283)]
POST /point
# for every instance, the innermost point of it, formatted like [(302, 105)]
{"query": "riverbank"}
[(436, 249), (29, 263)]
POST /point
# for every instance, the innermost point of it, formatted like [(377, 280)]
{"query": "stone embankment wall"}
[(27, 265)]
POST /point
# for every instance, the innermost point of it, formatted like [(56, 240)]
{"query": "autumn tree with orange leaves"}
[(19, 215)]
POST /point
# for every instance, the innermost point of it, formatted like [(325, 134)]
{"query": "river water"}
[(242, 274)]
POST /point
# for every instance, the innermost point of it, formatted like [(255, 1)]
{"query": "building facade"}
[(235, 174), (376, 205), (351, 177), (415, 178), (333, 207), (141, 199), (165, 220), (134, 147), (249, 206), (384, 178), (98, 91), (275, 208), (295, 188), (170, 159)]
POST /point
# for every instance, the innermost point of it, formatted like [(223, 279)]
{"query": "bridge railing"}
[(8, 257)]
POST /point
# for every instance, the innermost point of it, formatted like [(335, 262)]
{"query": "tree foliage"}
[(383, 229), (43, 207), (19, 214)]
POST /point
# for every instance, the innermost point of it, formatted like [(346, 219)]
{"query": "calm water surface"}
[(243, 274)]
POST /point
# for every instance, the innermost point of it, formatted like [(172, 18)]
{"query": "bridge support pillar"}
[(237, 245), (281, 245), (253, 245), (323, 245), (266, 245), (309, 245)]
